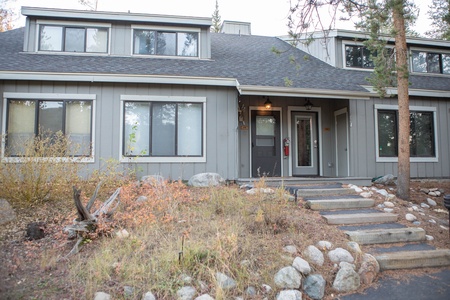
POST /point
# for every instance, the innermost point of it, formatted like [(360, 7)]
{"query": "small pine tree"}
[(216, 19)]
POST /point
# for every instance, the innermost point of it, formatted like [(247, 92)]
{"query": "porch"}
[(294, 181)]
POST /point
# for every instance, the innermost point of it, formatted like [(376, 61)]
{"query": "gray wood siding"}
[(321, 49), (362, 140), (221, 122)]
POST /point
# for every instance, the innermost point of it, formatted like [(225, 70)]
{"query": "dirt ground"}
[(22, 262)]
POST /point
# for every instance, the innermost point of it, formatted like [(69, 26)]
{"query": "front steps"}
[(371, 227)]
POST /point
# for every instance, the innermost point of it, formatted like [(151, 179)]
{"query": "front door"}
[(305, 148), (265, 143), (341, 143)]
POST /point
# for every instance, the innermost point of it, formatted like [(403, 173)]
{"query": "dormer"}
[(61, 31)]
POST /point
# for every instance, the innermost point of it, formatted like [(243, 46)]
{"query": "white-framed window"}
[(27, 115), (73, 37), (423, 133), (430, 61), (163, 128), (165, 41), (356, 55)]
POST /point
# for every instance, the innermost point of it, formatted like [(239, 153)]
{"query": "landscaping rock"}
[(386, 180), (366, 194), (288, 278), (250, 291), (354, 246), (225, 282), (260, 190), (206, 180), (324, 245), (149, 296), (266, 288), (426, 191), (431, 202), (424, 205), (389, 204), (102, 296), (346, 280), (314, 286), (339, 254), (204, 297), (153, 180), (186, 293), (289, 295), (410, 217), (301, 265), (128, 291), (382, 192), (388, 210), (369, 269), (429, 237), (7, 213), (432, 194), (390, 197), (35, 230), (313, 255), (290, 249)]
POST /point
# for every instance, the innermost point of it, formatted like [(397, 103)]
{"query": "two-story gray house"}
[(165, 93)]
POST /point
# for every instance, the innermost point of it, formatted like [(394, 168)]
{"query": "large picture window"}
[(422, 133), (358, 56), (73, 39), (156, 42), (163, 129), (27, 119)]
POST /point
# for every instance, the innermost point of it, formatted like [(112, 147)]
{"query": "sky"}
[(267, 17)]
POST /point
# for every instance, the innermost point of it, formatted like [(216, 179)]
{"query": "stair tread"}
[(402, 248), (372, 226), (387, 236), (413, 259), (351, 212)]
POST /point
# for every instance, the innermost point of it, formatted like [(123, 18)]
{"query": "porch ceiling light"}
[(268, 104), (308, 105)]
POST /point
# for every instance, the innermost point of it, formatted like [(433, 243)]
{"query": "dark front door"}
[(305, 160), (266, 144)]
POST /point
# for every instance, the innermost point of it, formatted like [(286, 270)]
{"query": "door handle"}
[(315, 143)]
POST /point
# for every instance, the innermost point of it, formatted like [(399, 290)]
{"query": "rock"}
[(382, 192), (415, 208), (266, 288), (369, 269), (385, 180), (388, 210), (424, 205), (7, 213), (153, 180), (431, 202), (142, 199), (324, 245), (433, 189), (250, 291), (417, 223), (301, 265), (390, 197), (429, 237), (432, 194), (35, 230), (122, 234), (380, 205), (344, 264), (225, 282), (149, 296), (366, 194), (128, 291), (346, 280), (102, 296), (313, 255), (290, 249), (389, 204), (186, 293), (354, 246), (410, 217), (245, 263), (246, 186), (288, 278), (314, 286), (443, 227), (426, 191), (206, 180), (204, 297), (260, 190), (432, 221), (186, 278), (438, 193), (339, 254), (289, 295)]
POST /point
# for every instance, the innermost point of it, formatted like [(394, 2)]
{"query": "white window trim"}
[(48, 96), (76, 24), (427, 50), (411, 108), (355, 43), (173, 159), (169, 29)]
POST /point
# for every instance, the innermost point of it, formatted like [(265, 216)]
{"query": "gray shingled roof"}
[(248, 59)]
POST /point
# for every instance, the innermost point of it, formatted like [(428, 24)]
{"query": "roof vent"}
[(236, 27)]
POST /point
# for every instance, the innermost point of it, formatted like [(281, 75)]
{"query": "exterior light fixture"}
[(308, 104), (268, 104)]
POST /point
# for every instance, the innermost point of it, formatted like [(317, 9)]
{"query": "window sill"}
[(411, 159), (180, 159)]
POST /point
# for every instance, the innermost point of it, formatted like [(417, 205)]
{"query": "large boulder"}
[(339, 254), (288, 278), (369, 269), (347, 279), (301, 265), (314, 286), (7, 213), (313, 255), (289, 295), (388, 179), (206, 180)]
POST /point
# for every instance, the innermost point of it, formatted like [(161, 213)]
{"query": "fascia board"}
[(413, 92), (301, 92), (129, 78)]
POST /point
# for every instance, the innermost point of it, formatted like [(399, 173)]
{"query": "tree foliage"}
[(7, 16), (91, 4), (439, 13), (216, 19)]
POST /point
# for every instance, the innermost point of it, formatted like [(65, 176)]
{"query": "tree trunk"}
[(403, 101)]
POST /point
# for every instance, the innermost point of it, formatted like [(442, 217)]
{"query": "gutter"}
[(392, 91)]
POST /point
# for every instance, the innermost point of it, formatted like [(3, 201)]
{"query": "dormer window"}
[(358, 57), (73, 39), (165, 42), (430, 62)]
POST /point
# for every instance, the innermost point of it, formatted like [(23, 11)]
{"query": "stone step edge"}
[(386, 236), (339, 203), (322, 192), (360, 218), (413, 259)]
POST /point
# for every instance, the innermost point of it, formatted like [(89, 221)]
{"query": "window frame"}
[(346, 43), (161, 159), (72, 25), (384, 107), (166, 29), (428, 51), (48, 97)]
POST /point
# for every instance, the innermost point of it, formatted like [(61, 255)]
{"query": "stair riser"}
[(387, 236), (414, 259), (339, 204)]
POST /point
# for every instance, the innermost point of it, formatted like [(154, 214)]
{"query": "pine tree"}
[(439, 13), (216, 19)]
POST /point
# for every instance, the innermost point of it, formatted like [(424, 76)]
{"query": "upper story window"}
[(164, 42), (358, 57), (73, 39), (430, 62)]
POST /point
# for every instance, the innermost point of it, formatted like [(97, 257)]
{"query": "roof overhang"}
[(392, 91), (301, 92)]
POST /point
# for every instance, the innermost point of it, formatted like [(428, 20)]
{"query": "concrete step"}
[(413, 259), (389, 248), (360, 218), (324, 192), (386, 236), (343, 203), (371, 226)]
